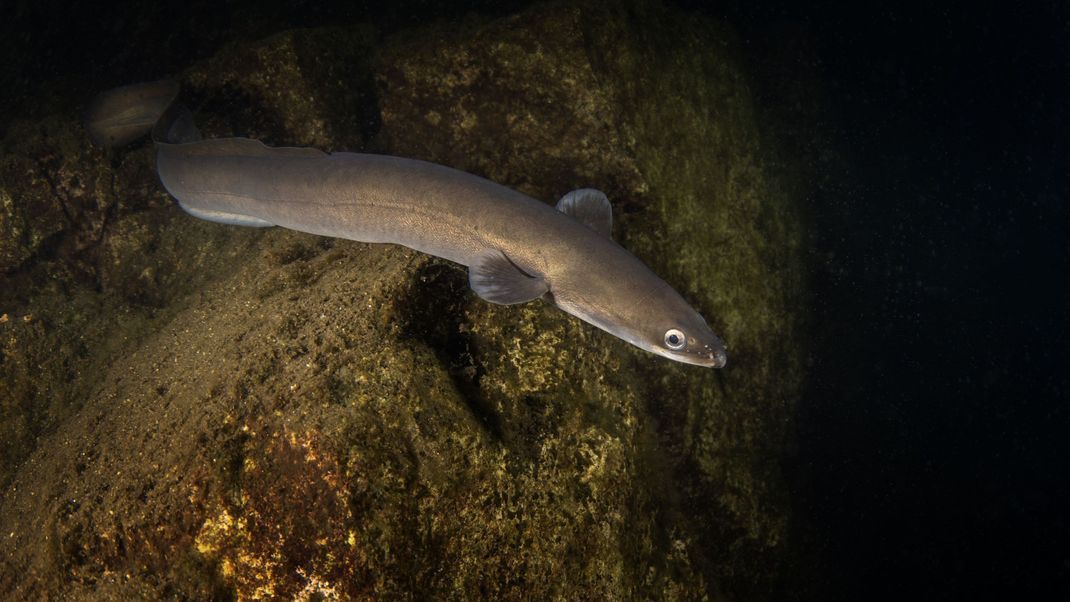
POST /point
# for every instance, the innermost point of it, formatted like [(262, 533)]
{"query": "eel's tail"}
[(121, 115)]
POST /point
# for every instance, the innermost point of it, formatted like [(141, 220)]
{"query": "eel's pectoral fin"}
[(590, 207), (497, 279)]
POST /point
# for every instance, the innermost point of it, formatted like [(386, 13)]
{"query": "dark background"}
[(933, 459)]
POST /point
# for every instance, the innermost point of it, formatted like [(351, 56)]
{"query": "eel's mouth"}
[(710, 355)]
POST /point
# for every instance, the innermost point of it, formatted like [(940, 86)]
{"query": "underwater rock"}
[(297, 417), (53, 191)]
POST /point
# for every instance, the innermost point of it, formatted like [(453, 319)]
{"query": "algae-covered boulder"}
[(289, 416)]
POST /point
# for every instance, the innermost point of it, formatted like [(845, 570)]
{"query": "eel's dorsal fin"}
[(497, 279), (590, 207)]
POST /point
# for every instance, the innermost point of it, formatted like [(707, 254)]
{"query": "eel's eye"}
[(674, 339)]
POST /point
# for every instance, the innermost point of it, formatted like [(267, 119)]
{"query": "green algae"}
[(308, 87), (735, 237)]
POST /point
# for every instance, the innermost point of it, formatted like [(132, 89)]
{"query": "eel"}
[(515, 247)]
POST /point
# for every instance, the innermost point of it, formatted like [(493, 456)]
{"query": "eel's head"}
[(668, 326), (683, 335), (655, 318)]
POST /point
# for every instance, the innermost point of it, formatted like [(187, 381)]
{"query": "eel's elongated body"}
[(516, 248), (377, 198)]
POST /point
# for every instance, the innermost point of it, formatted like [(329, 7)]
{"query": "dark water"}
[(933, 455), (934, 460)]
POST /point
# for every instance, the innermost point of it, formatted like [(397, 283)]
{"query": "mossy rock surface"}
[(276, 415)]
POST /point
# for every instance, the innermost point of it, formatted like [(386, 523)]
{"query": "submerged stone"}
[(295, 417)]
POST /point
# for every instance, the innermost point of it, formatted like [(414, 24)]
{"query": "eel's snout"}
[(718, 356)]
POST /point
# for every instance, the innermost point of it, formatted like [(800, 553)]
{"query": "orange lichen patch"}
[(215, 531), (289, 534)]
